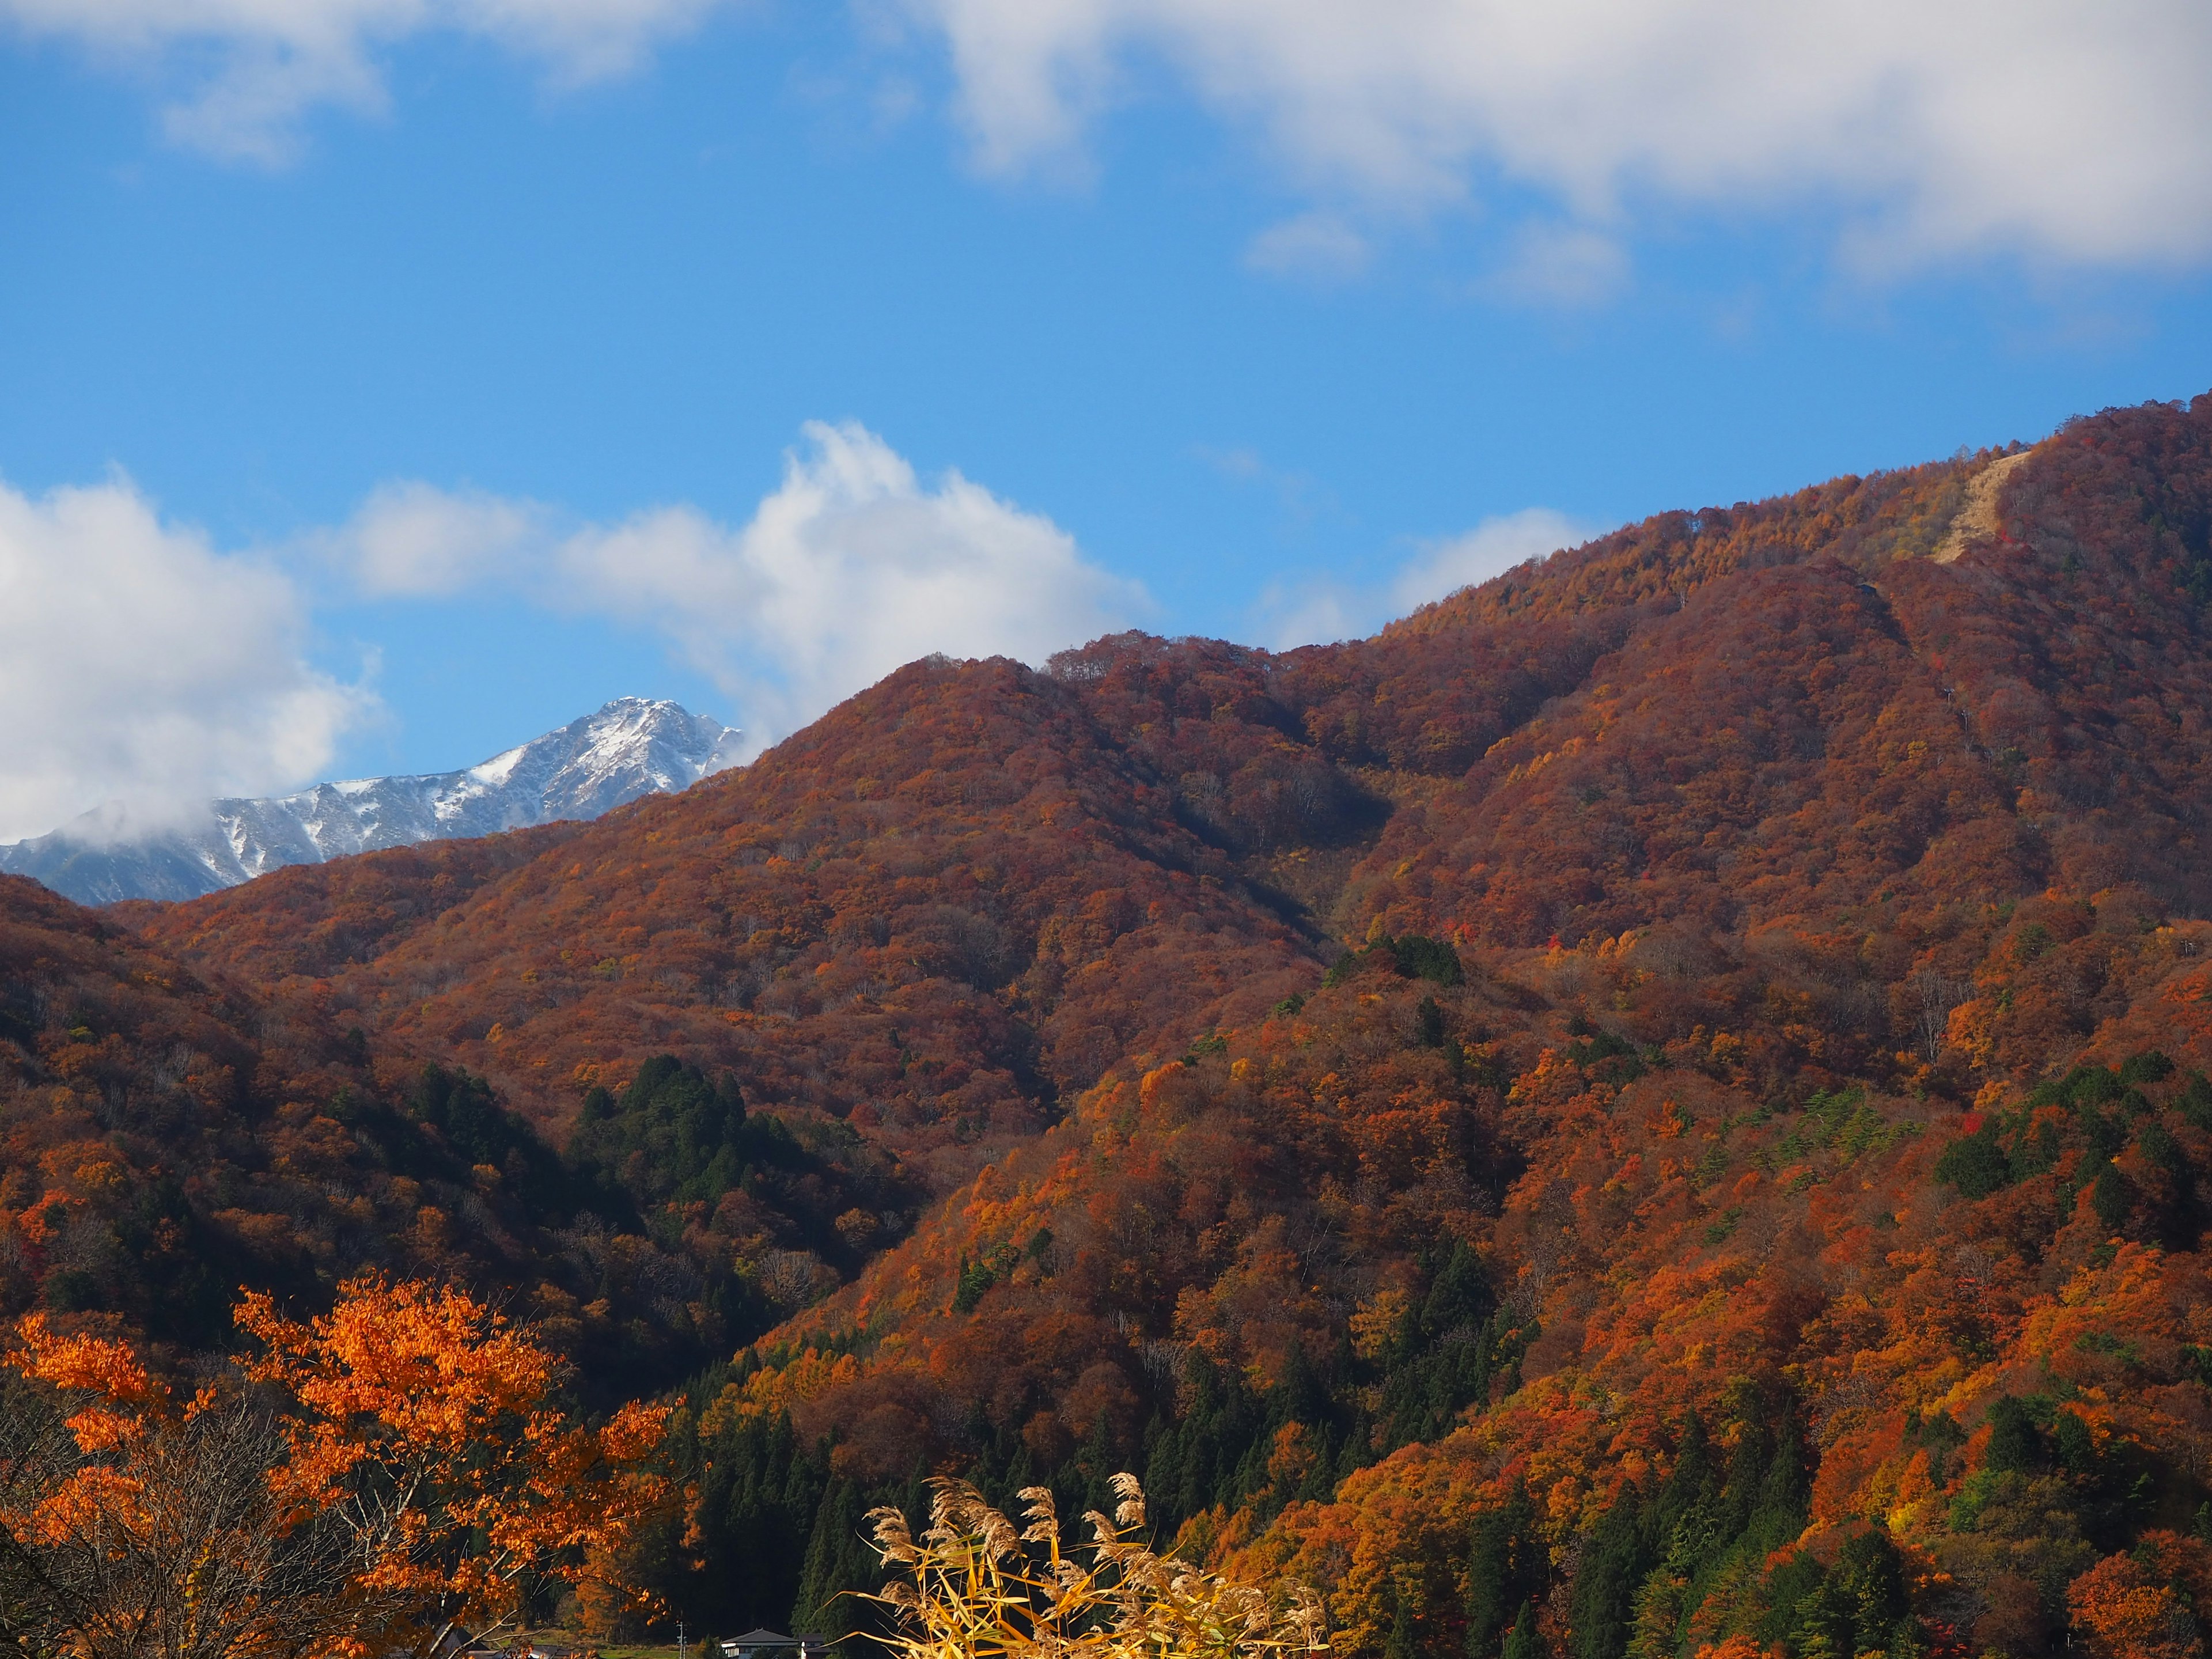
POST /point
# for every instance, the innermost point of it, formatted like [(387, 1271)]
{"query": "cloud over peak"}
[(145, 673), (851, 567)]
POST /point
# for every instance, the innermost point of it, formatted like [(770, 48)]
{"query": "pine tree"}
[(1501, 1570), (1521, 1641), (1690, 1510), (838, 1559), (1613, 1565), (1401, 1644)]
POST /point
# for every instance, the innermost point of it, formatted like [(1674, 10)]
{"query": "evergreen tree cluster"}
[(2078, 1129), (1656, 1556), (676, 1136), (471, 1129), (781, 1538), (1410, 955)]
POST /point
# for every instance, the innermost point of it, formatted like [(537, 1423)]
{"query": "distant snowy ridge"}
[(632, 747)]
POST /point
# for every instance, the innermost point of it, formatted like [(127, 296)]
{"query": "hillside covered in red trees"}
[(1658, 1107)]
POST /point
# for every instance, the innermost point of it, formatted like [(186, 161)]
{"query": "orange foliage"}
[(426, 1414), (416, 1430), (2132, 1609)]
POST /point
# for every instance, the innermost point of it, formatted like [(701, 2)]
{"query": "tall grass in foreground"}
[(977, 1589)]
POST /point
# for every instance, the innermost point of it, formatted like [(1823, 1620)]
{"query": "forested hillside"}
[(1657, 1106), (167, 1136)]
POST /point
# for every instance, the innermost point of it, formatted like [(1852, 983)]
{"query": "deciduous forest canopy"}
[(1658, 1107)]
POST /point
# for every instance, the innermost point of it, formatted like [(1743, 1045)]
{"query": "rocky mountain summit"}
[(633, 746)]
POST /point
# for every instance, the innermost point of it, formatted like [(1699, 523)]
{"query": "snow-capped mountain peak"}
[(634, 746)]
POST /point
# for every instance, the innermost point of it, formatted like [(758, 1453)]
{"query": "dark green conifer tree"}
[(838, 1560), (1521, 1641), (1614, 1561), (1503, 1569)]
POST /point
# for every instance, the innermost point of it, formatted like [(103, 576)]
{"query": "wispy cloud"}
[(1562, 267), (1316, 611), (1319, 247), (1926, 130), (1490, 548), (240, 75), (1303, 499)]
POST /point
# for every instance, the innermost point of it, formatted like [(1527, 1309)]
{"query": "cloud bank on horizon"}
[(1931, 129), (148, 671)]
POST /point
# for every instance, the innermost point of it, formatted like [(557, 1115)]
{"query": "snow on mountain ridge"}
[(631, 747)]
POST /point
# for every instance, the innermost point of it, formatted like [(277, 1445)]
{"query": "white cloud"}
[(1490, 548), (254, 68), (847, 571), (1929, 128), (138, 664), (1311, 613), (2057, 129), (1302, 500), (850, 569)]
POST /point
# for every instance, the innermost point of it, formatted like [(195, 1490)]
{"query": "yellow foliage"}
[(777, 1388), (1377, 1320)]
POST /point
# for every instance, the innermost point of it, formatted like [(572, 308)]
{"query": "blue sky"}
[(1252, 343)]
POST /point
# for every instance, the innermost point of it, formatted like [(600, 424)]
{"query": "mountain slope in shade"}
[(166, 1137), (634, 746)]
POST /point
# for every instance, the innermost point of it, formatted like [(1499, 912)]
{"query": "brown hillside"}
[(928, 914), (306, 921)]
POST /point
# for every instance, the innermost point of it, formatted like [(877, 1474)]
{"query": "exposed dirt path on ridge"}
[(1978, 520)]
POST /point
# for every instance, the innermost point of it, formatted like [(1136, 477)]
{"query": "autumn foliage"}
[(363, 1479), (1657, 1108)]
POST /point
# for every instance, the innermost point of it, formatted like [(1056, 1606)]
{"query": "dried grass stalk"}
[(974, 1588)]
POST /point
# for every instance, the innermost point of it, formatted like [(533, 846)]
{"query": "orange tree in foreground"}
[(979, 1589), (364, 1481)]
